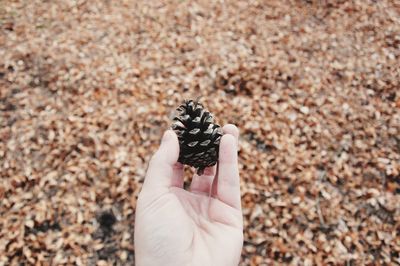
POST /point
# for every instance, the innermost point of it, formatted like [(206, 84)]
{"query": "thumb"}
[(162, 166)]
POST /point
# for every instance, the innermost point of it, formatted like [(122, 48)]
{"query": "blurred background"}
[(88, 87)]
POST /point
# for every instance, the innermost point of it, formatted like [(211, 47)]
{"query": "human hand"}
[(203, 226)]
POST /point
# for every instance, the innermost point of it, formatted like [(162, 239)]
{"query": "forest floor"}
[(88, 87)]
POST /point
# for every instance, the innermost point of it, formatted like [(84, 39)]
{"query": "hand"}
[(203, 226)]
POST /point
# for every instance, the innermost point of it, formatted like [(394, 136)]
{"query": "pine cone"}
[(198, 136)]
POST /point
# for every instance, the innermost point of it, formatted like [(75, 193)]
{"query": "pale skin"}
[(199, 226)]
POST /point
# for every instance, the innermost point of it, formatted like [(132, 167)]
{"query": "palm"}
[(197, 225)]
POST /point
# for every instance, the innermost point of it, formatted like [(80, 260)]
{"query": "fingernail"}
[(167, 136), (236, 141)]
